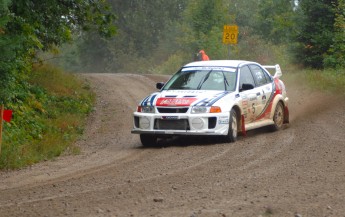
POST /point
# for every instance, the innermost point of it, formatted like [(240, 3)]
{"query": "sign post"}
[(5, 115), (230, 35), (1, 120)]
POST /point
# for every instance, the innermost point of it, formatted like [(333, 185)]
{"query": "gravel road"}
[(298, 171)]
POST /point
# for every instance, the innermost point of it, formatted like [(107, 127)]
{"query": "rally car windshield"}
[(203, 79)]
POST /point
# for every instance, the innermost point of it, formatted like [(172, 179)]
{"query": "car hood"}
[(176, 98)]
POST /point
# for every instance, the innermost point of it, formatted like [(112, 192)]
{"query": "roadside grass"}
[(330, 80), (48, 118), (327, 80)]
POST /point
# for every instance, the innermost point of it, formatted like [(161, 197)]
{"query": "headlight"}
[(199, 109), (204, 109), (146, 109)]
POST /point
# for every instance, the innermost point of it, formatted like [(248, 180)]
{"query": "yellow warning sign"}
[(230, 34)]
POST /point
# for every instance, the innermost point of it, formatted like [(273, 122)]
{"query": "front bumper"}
[(181, 124)]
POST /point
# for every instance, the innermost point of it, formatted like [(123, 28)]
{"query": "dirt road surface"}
[(298, 171)]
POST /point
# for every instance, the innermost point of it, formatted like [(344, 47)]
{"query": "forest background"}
[(160, 36), (135, 36)]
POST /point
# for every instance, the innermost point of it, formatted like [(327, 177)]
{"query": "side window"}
[(246, 77), (268, 77), (259, 75)]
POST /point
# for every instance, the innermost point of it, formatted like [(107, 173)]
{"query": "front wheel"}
[(278, 117), (148, 140), (233, 127)]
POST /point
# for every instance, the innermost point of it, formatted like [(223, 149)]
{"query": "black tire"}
[(148, 140), (278, 117), (233, 127)]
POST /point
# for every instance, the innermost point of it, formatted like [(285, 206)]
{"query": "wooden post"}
[(1, 120)]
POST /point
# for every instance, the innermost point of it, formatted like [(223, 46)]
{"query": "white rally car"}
[(214, 98)]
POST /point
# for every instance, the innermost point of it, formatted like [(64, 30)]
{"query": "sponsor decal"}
[(276, 89), (264, 100), (175, 101), (252, 98), (223, 120)]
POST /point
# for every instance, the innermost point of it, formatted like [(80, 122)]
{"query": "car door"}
[(263, 90), (248, 94)]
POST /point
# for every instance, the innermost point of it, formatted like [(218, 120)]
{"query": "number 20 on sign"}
[(230, 34)]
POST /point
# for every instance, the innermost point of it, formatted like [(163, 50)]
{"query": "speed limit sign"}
[(230, 34)]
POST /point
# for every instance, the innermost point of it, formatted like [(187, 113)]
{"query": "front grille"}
[(181, 124), (172, 110)]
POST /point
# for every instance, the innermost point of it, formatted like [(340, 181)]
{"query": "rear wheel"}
[(148, 140), (278, 117), (233, 127)]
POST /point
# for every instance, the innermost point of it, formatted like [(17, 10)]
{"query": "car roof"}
[(219, 63)]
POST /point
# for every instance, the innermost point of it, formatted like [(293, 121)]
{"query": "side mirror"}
[(159, 85), (247, 87)]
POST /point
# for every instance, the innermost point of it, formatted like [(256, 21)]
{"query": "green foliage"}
[(150, 32), (275, 20), (144, 30), (48, 117), (28, 26), (316, 32), (51, 22), (203, 15), (94, 53), (170, 66), (243, 12), (142, 22), (203, 26), (335, 58)]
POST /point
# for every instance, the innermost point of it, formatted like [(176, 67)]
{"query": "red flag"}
[(7, 115)]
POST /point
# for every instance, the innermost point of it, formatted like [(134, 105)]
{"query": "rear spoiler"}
[(278, 72)]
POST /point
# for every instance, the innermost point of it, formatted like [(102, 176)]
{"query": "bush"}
[(49, 110)]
